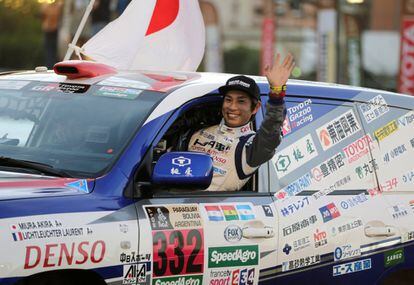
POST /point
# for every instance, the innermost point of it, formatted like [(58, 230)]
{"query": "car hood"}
[(20, 186)]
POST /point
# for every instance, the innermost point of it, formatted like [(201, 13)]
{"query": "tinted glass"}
[(77, 128)]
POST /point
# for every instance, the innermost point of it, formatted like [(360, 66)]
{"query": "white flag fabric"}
[(152, 35)]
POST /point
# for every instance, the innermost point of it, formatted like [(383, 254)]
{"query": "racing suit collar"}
[(236, 132)]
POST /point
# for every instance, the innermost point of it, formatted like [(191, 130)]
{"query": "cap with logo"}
[(241, 83)]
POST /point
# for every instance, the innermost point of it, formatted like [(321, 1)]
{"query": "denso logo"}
[(61, 254), (358, 149)]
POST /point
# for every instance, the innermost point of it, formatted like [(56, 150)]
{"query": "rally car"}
[(97, 185)]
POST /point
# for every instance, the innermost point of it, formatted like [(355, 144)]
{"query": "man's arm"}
[(268, 137)]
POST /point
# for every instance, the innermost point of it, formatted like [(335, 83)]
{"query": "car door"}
[(320, 193), (196, 237), (390, 128)]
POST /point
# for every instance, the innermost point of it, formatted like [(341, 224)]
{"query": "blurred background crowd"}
[(356, 42)]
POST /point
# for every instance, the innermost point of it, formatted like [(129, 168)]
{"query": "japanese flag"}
[(152, 35)]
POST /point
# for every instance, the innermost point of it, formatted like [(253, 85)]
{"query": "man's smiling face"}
[(237, 108)]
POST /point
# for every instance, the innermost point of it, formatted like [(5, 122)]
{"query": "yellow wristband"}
[(278, 89)]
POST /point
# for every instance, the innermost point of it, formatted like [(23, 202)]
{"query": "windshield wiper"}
[(41, 168)]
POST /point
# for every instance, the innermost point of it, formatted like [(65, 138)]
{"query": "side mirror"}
[(184, 170)]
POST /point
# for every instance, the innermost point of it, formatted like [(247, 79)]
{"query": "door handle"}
[(372, 231), (265, 232)]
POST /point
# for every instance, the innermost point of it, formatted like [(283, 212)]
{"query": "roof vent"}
[(81, 68)]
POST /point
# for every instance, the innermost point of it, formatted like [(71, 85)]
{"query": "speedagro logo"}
[(233, 256)]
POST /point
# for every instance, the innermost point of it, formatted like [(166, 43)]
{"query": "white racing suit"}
[(238, 152)]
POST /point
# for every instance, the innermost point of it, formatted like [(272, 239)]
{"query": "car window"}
[(391, 132), (317, 150), (77, 128)]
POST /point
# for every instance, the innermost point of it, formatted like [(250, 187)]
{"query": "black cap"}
[(241, 83)]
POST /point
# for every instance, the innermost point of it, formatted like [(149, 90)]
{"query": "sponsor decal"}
[(346, 227), (346, 251), (358, 148), (398, 211), (394, 153), (61, 87), (118, 92), (294, 188), (320, 238), (267, 209), (233, 256), (230, 213), (329, 212), (389, 185), (338, 130), (294, 207), (412, 143), (241, 276), (135, 273), (177, 242), (286, 129), (366, 169), (179, 280), (338, 184), (64, 254), (406, 120), (233, 233), (394, 257), (301, 262), (353, 201), (46, 229), (214, 213), (219, 171), (13, 84), (297, 245), (386, 130), (298, 115), (352, 267), (245, 212), (328, 167), (294, 156), (81, 185), (408, 177), (299, 225), (208, 135), (212, 145), (375, 108), (133, 257), (410, 236)]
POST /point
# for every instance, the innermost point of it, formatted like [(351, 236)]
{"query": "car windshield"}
[(78, 129)]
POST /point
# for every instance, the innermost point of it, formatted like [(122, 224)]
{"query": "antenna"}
[(72, 46)]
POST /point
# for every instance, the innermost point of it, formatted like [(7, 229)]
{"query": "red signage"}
[(406, 78), (268, 40)]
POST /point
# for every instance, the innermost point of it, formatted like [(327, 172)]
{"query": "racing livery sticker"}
[(338, 129), (386, 130), (393, 257), (177, 244), (233, 256), (298, 115), (234, 212), (300, 262), (294, 156), (352, 267), (118, 92), (346, 251), (375, 108)]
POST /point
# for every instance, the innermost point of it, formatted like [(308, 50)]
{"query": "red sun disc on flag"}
[(165, 13)]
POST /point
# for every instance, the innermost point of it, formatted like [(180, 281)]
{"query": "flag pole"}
[(72, 45)]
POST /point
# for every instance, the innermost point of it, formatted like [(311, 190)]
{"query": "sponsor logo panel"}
[(338, 130), (294, 156), (179, 280), (375, 108), (386, 130), (301, 262), (352, 267), (233, 256), (346, 251), (394, 257)]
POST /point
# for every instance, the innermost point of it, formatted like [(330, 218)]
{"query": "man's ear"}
[(257, 107)]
